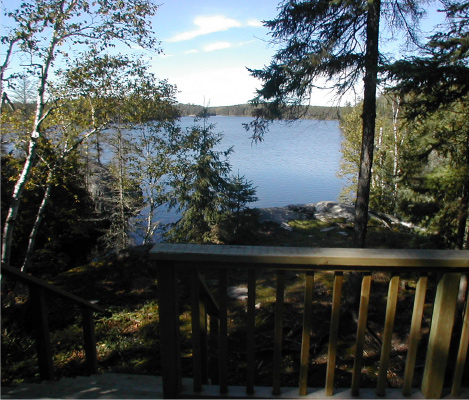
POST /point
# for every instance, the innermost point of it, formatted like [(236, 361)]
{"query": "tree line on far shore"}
[(246, 110)]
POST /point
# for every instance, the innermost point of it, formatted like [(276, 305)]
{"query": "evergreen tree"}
[(211, 201), (200, 186), (338, 41)]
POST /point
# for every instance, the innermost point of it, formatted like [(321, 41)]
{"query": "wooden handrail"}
[(320, 258), (27, 279), (190, 257), (37, 289)]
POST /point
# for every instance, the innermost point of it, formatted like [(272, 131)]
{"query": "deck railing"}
[(172, 259), (38, 289)]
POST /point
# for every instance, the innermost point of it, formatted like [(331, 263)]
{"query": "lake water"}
[(295, 164)]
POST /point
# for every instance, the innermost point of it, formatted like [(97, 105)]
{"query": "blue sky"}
[(208, 44)]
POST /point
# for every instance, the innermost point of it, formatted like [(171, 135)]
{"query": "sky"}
[(209, 44)]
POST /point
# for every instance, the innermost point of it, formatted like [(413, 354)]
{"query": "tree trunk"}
[(369, 120), (15, 200), (368, 138), (37, 222)]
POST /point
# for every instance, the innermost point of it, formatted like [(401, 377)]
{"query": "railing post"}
[(43, 346), (169, 329), (197, 324), (250, 332), (462, 353), (334, 332), (89, 340), (440, 335), (361, 330), (213, 342), (223, 332), (306, 335)]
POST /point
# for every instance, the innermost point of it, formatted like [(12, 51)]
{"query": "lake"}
[(295, 164)]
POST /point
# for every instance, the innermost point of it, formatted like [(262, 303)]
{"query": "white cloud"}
[(255, 23), (221, 87), (193, 51), (217, 46), (206, 25)]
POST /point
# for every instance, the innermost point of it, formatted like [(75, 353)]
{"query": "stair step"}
[(126, 386), (103, 386)]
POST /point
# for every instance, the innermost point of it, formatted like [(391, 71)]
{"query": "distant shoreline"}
[(245, 110)]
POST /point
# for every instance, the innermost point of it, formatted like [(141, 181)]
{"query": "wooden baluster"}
[(387, 336), (334, 332), (462, 354), (196, 330), (306, 336), (440, 335), (361, 329), (43, 346), (203, 339), (169, 329), (89, 340), (414, 336), (223, 341), (277, 362), (250, 331), (213, 343)]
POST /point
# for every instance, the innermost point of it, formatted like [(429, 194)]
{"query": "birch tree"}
[(41, 35)]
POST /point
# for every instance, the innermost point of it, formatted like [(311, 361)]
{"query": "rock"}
[(323, 210), (278, 214), (327, 210), (330, 228), (238, 292), (284, 225)]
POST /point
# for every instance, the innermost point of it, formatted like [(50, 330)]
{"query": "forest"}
[(246, 110), (91, 138), (74, 180)]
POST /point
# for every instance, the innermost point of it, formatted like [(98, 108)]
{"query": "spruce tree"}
[(338, 41)]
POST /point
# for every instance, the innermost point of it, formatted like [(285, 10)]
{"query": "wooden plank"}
[(387, 335), (414, 336), (277, 361), (361, 329), (250, 332), (333, 332), (203, 336), (440, 335), (306, 336), (213, 345), (169, 329), (89, 340), (325, 258), (196, 331), (43, 346), (462, 354), (223, 338)]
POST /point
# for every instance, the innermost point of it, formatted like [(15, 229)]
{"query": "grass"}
[(128, 341)]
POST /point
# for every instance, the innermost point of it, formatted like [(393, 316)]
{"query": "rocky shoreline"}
[(323, 211)]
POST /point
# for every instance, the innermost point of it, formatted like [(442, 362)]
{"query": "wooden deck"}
[(124, 386)]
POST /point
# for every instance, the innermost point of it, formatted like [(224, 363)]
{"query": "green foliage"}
[(212, 203)]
